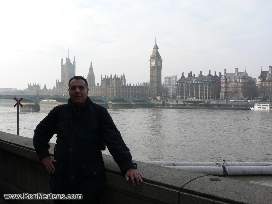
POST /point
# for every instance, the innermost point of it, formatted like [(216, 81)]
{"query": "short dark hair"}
[(78, 78)]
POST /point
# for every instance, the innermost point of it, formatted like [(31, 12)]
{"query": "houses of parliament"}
[(114, 85), (236, 85)]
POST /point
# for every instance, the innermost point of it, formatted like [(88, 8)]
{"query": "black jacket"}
[(81, 135)]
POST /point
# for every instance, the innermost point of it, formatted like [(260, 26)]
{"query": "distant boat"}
[(49, 101), (30, 107), (262, 107)]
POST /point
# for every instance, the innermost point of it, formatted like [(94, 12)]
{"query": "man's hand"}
[(134, 176), (48, 164)]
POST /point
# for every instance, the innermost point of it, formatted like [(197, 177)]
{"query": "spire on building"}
[(91, 76), (68, 70), (74, 62), (91, 67), (156, 46), (155, 52)]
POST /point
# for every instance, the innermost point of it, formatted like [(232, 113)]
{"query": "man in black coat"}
[(83, 129)]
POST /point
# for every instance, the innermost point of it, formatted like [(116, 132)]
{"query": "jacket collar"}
[(86, 104)]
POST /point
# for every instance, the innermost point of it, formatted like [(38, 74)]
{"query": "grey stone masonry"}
[(22, 172)]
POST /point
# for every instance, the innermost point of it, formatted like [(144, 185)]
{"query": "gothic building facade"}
[(264, 84), (91, 77), (116, 86), (237, 85), (155, 72), (68, 70), (199, 87), (35, 89)]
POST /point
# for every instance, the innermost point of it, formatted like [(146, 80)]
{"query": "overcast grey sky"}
[(118, 36)]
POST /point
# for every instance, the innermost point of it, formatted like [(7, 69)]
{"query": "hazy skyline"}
[(118, 37)]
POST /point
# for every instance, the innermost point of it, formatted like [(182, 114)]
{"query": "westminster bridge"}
[(34, 98), (59, 98)]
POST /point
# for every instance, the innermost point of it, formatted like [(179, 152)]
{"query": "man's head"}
[(78, 90)]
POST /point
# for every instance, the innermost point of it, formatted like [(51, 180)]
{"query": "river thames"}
[(175, 134)]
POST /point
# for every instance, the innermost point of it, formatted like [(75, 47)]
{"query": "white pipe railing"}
[(222, 169)]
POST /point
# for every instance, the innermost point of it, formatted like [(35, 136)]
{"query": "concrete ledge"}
[(22, 172)]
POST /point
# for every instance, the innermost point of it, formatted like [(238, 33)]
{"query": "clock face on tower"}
[(152, 62)]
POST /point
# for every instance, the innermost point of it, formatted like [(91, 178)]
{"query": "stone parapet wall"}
[(22, 172)]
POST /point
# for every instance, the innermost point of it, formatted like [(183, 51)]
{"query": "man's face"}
[(78, 91)]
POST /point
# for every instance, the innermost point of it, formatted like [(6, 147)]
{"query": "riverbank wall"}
[(226, 106), (21, 172)]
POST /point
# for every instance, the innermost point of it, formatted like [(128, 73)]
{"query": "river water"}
[(175, 134)]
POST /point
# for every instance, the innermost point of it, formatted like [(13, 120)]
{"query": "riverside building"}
[(170, 84), (237, 85), (199, 87), (264, 84)]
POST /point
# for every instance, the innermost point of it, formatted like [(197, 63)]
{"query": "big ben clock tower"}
[(155, 72)]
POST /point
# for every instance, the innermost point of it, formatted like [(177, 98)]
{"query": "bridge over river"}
[(36, 99)]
